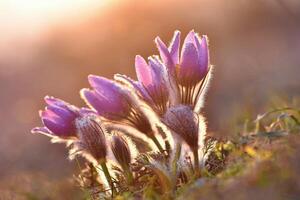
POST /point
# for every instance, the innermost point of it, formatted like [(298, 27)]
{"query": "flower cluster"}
[(160, 112)]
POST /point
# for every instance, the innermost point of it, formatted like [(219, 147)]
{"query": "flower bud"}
[(92, 137), (121, 151), (184, 122)]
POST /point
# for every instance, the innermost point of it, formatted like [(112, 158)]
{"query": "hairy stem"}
[(154, 139), (108, 177), (196, 162), (175, 163)]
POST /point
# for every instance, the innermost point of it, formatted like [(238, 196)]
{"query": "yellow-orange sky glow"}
[(27, 17)]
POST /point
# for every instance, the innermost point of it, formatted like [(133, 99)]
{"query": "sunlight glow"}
[(38, 14)]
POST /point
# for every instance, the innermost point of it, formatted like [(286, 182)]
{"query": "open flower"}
[(190, 67), (58, 119)]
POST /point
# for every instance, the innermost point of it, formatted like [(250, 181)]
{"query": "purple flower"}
[(111, 102), (191, 68), (58, 119), (150, 76), (106, 98)]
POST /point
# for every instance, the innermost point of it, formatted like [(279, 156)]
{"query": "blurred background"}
[(49, 48)]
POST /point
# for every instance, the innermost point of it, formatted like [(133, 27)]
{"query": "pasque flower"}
[(190, 67), (189, 126), (163, 103), (111, 102), (91, 143), (106, 98), (150, 76), (58, 119)]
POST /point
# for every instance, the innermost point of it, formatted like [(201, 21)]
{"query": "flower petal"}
[(59, 129), (104, 106), (105, 87), (204, 55), (143, 71), (165, 54), (55, 101), (61, 112), (190, 38), (174, 47), (189, 67), (43, 130), (48, 114)]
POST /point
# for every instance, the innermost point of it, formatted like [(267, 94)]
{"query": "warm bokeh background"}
[(49, 48)]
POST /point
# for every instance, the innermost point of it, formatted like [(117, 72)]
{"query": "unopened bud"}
[(184, 122), (91, 137), (121, 151)]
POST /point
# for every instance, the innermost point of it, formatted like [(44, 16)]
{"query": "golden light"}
[(33, 15)]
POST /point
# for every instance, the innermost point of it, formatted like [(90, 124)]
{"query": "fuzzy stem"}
[(154, 139), (128, 173), (176, 157), (175, 162), (196, 162), (129, 176), (108, 177)]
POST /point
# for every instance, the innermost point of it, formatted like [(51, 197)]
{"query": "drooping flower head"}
[(109, 100), (190, 67), (58, 119), (91, 138)]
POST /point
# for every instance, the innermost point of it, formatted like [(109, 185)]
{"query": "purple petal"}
[(107, 89), (86, 111), (43, 130), (174, 47), (61, 112), (190, 38), (59, 129), (55, 101), (92, 99), (204, 55), (105, 107), (189, 67), (143, 71), (138, 87), (156, 70), (48, 114), (165, 54), (52, 101)]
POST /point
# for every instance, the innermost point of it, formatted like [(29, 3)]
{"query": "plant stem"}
[(176, 157), (154, 139), (174, 164), (108, 177), (129, 176), (196, 162)]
